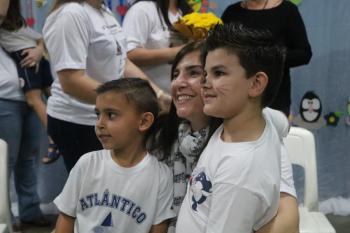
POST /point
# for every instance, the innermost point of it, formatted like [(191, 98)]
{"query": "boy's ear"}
[(146, 121), (258, 84)]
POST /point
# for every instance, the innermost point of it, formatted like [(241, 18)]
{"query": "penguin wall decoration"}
[(310, 112), (310, 107)]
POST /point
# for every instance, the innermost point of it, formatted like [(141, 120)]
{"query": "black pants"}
[(73, 140)]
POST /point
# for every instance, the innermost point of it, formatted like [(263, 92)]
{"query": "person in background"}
[(26, 48), (86, 47), (19, 127), (148, 27), (184, 132), (284, 21), (122, 188)]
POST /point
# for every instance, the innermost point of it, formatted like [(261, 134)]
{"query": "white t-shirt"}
[(9, 82), (23, 38), (105, 197), (235, 186), (79, 36), (144, 27)]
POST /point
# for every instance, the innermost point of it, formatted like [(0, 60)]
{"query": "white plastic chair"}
[(5, 214), (301, 149)]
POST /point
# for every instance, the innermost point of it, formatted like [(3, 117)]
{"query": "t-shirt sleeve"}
[(137, 27), (67, 41), (287, 182), (67, 200), (235, 210), (278, 120), (165, 196)]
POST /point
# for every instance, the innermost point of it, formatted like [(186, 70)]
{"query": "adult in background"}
[(86, 47), (284, 21), (19, 127), (148, 26)]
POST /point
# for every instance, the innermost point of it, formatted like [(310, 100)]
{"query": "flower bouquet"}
[(195, 26)]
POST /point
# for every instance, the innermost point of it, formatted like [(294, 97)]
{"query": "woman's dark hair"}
[(167, 126), (163, 8), (14, 19), (137, 92)]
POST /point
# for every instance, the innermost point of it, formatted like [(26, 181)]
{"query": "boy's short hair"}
[(257, 51), (136, 90)]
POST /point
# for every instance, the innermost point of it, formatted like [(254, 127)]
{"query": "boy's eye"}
[(111, 115), (218, 73)]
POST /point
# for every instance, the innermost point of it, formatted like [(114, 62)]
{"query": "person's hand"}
[(32, 56), (164, 101)]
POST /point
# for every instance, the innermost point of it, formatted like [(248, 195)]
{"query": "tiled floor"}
[(340, 223)]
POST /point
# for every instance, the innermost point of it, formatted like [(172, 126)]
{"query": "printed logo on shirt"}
[(120, 203), (106, 225), (113, 29), (200, 187)]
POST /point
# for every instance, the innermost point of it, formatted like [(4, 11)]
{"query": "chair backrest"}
[(301, 149), (5, 214)]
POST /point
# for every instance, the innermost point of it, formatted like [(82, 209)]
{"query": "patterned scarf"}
[(183, 158)]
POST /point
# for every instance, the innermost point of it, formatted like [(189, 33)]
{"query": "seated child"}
[(26, 47), (121, 188), (235, 184)]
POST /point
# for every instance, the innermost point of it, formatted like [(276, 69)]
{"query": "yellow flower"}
[(196, 25)]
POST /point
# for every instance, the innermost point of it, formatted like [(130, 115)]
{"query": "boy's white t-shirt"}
[(105, 197), (9, 81), (235, 186), (144, 27), (79, 36), (23, 38)]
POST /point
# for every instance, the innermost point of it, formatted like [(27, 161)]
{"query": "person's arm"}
[(146, 57), (64, 224), (131, 70), (76, 83), (298, 46), (287, 218), (160, 228)]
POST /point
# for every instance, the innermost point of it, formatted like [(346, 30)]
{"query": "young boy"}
[(235, 185), (122, 188)]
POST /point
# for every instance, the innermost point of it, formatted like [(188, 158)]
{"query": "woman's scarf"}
[(183, 158)]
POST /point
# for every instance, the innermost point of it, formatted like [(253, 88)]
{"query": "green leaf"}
[(296, 2)]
